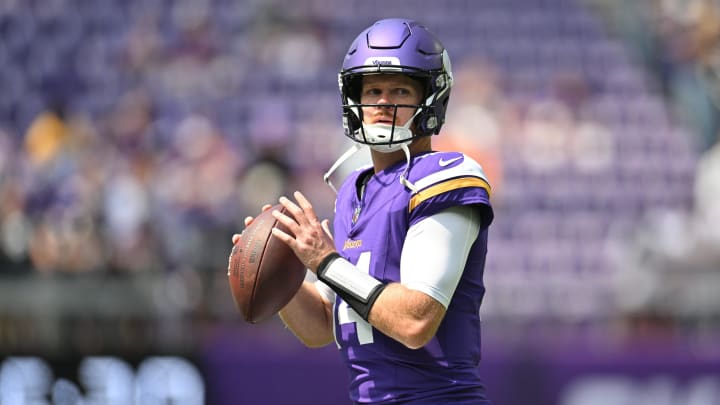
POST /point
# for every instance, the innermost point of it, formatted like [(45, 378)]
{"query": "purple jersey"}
[(370, 233)]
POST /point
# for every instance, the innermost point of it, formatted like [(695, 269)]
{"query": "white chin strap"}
[(378, 133), (404, 181), (356, 148)]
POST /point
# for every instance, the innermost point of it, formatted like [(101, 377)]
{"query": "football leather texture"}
[(263, 272)]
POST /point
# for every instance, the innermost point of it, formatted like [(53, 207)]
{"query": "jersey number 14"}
[(347, 315)]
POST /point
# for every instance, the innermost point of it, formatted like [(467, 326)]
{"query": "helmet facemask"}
[(427, 119), (383, 137)]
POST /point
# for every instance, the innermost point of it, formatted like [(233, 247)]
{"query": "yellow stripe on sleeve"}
[(453, 184)]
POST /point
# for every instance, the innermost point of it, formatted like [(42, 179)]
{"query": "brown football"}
[(263, 272)]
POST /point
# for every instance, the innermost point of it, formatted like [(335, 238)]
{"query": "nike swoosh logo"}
[(444, 163)]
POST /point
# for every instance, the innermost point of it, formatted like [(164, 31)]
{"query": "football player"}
[(401, 283)]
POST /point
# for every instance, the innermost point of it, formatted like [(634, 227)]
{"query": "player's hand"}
[(248, 221), (309, 238)]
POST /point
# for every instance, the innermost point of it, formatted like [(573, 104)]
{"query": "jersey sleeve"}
[(436, 251), (442, 185)]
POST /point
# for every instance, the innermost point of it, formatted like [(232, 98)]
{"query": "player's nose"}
[(384, 100)]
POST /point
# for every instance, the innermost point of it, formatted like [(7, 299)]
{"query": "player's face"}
[(389, 89)]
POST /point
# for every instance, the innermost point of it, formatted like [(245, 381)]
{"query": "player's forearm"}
[(408, 316), (309, 317)]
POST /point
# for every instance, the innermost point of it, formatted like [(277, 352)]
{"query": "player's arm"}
[(309, 315), (432, 263), (408, 316), (433, 259)]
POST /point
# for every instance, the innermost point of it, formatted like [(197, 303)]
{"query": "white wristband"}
[(345, 275)]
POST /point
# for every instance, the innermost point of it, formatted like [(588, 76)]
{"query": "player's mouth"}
[(383, 120)]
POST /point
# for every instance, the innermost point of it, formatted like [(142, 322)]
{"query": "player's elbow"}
[(313, 339), (315, 343), (418, 334)]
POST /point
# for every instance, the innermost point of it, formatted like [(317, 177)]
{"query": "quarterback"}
[(400, 282)]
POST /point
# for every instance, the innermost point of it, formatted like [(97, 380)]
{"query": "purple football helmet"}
[(404, 46)]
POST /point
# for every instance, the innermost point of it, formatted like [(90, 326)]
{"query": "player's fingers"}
[(287, 239), (306, 206), (265, 207), (248, 220), (293, 209), (290, 223), (235, 238)]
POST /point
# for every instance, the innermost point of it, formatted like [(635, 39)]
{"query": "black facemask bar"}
[(354, 121)]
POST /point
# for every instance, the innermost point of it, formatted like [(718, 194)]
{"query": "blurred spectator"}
[(15, 226), (668, 260), (126, 209), (669, 263), (64, 236), (46, 135), (707, 196), (690, 32), (676, 40), (195, 194)]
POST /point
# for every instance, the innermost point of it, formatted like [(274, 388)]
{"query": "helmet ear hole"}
[(431, 123), (350, 120)]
